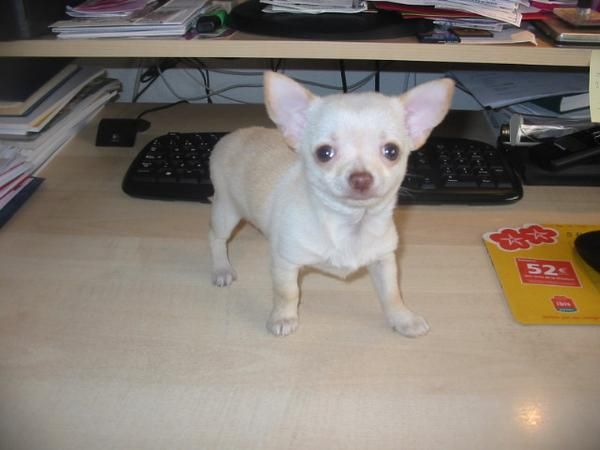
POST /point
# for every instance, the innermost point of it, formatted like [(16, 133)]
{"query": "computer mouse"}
[(588, 247), (119, 132)]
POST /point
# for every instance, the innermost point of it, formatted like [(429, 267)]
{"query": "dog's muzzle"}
[(360, 182)]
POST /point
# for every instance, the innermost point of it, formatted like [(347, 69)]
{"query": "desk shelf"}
[(242, 45)]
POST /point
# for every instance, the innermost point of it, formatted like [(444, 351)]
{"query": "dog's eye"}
[(325, 153), (391, 151)]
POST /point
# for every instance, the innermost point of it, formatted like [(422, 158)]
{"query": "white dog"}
[(322, 188)]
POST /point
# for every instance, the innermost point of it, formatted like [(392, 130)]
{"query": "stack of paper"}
[(472, 21), (507, 11), (50, 117), (502, 10), (314, 6), (547, 94), (15, 174), (549, 5), (107, 8), (13, 169), (38, 147), (38, 116), (173, 18)]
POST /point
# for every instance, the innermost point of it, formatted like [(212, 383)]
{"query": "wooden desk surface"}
[(112, 337)]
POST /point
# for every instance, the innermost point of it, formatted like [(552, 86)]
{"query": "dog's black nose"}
[(360, 181)]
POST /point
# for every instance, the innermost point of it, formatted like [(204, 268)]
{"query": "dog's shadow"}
[(349, 278)]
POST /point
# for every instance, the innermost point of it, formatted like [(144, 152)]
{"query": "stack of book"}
[(43, 103)]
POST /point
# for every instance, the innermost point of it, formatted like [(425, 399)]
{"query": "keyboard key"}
[(460, 181), (166, 176), (144, 175), (486, 183), (412, 181)]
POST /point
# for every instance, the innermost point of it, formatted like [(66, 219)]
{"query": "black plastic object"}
[(586, 173), (248, 17), (568, 151), (119, 132), (588, 247)]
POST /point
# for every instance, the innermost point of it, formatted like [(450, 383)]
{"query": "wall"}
[(244, 77)]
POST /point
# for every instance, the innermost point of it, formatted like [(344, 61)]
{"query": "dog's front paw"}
[(409, 324), (282, 326), (223, 277)]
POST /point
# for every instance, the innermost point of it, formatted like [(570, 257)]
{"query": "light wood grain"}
[(242, 45), (112, 337)]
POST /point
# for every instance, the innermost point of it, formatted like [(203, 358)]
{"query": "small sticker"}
[(563, 304), (538, 235), (548, 272), (523, 238)]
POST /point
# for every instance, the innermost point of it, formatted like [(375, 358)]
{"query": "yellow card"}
[(543, 278)]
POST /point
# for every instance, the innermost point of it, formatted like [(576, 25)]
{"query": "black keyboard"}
[(173, 167), (453, 170), (445, 170)]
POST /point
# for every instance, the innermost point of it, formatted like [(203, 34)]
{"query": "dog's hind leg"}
[(224, 218)]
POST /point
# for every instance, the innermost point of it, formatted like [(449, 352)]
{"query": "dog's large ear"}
[(287, 104), (426, 106)]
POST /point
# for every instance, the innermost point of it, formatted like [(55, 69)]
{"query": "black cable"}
[(377, 76), (158, 108), (205, 78), (144, 89), (151, 74), (204, 73), (207, 87), (276, 64), (343, 75)]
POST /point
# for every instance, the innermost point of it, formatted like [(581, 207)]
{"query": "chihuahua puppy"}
[(322, 188)]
